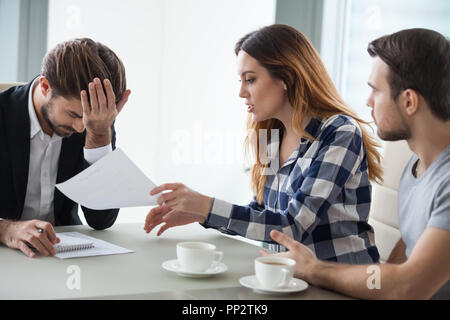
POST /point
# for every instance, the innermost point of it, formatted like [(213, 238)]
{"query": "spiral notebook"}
[(71, 243), (76, 245)]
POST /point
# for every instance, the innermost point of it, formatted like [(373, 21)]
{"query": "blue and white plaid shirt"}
[(320, 197)]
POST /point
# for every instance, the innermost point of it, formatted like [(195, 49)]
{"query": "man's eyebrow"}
[(75, 114)]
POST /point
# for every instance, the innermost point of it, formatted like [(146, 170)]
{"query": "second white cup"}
[(274, 272), (197, 256)]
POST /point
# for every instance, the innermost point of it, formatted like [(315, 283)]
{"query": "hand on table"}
[(21, 234)]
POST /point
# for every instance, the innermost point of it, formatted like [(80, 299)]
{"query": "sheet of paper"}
[(112, 182), (100, 248)]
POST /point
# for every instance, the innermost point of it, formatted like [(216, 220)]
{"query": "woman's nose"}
[(243, 93)]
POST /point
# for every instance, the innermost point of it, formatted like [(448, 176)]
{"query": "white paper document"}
[(98, 247), (112, 182)]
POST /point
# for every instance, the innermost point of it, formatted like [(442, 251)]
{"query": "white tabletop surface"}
[(137, 275)]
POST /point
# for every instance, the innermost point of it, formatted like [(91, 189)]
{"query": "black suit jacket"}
[(15, 158)]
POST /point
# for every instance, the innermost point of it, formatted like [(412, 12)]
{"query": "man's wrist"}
[(314, 274), (97, 140), (3, 224), (3, 227)]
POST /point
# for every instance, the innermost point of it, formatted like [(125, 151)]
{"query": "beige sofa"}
[(6, 85), (383, 213)]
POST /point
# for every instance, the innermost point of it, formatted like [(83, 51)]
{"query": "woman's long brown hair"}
[(289, 56)]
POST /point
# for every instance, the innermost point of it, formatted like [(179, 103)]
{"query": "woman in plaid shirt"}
[(311, 181)]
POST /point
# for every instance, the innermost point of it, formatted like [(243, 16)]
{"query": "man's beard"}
[(394, 135), (55, 128), (401, 131)]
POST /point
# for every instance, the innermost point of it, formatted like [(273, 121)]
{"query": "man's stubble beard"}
[(45, 110)]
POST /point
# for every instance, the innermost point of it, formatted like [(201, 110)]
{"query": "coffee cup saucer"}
[(295, 285), (174, 266)]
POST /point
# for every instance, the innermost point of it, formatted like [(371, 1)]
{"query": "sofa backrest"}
[(383, 216)]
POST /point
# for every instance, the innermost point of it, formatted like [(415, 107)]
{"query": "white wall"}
[(184, 121), (9, 33)]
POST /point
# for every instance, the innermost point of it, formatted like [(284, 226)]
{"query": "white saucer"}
[(173, 266), (296, 285)]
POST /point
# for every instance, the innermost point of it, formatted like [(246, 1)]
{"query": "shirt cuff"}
[(220, 214), (93, 155)]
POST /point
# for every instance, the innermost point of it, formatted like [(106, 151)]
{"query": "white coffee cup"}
[(197, 256), (274, 272)]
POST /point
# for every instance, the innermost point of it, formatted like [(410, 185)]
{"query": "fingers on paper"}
[(164, 187)]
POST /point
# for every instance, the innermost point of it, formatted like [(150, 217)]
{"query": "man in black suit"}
[(50, 130)]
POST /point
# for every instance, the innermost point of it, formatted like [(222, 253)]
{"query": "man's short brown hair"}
[(71, 65), (418, 59)]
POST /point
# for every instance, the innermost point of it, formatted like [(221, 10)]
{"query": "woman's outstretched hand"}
[(170, 218), (178, 207), (182, 198)]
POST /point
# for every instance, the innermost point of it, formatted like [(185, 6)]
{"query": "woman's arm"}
[(340, 154)]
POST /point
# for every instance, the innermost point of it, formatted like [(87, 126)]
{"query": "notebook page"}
[(100, 247), (69, 243)]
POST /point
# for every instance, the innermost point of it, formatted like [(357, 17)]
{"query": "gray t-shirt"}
[(425, 202)]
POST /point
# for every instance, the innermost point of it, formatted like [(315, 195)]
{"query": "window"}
[(370, 19)]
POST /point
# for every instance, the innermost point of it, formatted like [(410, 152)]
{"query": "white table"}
[(137, 275)]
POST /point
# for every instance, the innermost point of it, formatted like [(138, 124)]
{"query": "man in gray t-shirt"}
[(424, 202), (410, 98)]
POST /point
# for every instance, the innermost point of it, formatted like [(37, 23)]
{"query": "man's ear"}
[(45, 87), (410, 101)]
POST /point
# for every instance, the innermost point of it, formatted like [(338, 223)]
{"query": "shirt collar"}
[(35, 127), (313, 127)]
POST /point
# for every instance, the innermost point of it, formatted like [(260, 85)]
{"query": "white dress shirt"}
[(43, 168)]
